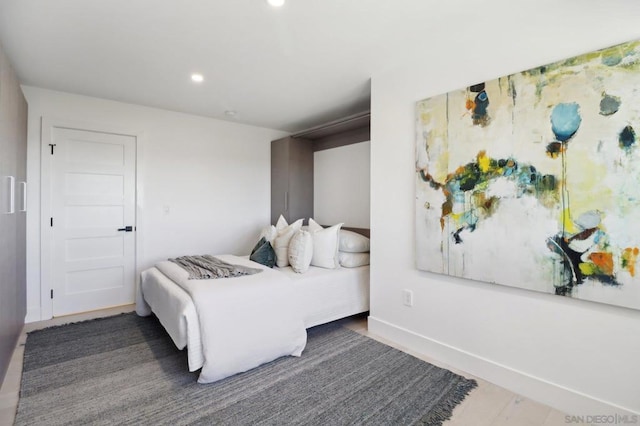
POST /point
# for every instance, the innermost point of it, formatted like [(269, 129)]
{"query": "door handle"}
[(126, 229), (24, 196)]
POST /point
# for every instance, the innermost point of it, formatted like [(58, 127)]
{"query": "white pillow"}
[(281, 223), (353, 242), (301, 251), (353, 260), (314, 226), (325, 245), (281, 242), (269, 233)]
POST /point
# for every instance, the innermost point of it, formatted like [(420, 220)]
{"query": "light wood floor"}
[(488, 404)]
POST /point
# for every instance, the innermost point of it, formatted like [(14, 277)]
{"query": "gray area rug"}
[(126, 370)]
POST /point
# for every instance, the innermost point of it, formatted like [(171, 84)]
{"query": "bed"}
[(234, 330)]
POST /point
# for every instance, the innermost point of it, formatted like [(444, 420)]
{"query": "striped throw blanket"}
[(208, 267)]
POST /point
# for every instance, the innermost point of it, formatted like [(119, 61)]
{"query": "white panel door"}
[(93, 220)]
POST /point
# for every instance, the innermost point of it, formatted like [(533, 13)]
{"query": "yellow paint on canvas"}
[(629, 259), (587, 268), (484, 162), (567, 224), (432, 115), (587, 191)]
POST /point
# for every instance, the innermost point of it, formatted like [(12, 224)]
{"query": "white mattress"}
[(324, 295), (329, 294)]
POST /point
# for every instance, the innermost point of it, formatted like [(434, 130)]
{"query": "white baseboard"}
[(557, 396), (33, 314)]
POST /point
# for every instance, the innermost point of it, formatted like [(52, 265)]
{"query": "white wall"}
[(213, 175), (341, 181), (578, 356)]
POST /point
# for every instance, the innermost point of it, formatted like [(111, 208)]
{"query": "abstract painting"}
[(533, 180)]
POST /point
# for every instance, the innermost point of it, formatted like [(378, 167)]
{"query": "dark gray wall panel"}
[(13, 156)]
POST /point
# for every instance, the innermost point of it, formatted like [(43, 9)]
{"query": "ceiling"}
[(290, 68)]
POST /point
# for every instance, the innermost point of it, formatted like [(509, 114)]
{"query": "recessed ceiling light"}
[(198, 78), (230, 113), (276, 3)]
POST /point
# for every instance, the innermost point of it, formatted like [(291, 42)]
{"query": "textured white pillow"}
[(281, 247), (301, 251), (281, 223), (325, 245), (353, 260), (269, 233), (353, 242), (281, 242)]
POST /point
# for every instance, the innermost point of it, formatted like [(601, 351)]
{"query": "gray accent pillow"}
[(263, 253)]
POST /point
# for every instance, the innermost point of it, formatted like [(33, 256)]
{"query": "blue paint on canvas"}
[(565, 120)]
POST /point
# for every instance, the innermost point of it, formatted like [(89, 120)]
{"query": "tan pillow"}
[(301, 251), (282, 240)]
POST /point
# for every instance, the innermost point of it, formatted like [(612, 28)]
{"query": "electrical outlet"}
[(407, 297)]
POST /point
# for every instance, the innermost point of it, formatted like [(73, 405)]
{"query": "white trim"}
[(536, 388), (140, 169), (46, 234), (33, 314)]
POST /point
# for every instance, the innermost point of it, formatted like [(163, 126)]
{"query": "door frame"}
[(46, 193)]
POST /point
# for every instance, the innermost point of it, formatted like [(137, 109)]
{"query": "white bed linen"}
[(322, 295), (175, 311), (244, 321)]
